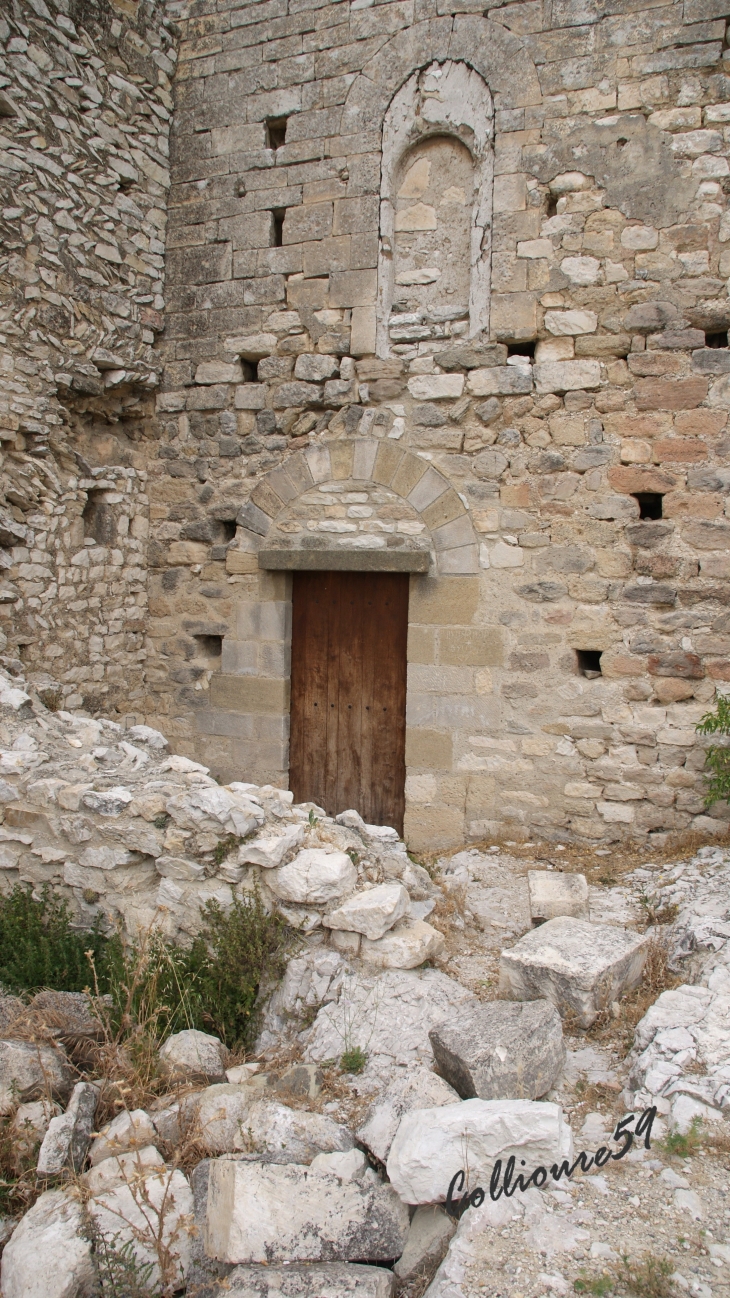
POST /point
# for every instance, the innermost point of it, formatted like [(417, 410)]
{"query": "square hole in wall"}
[(589, 662), (521, 349), (716, 339), (209, 647), (650, 503), (275, 132), (98, 518)]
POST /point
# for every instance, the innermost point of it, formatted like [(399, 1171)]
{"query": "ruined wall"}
[(85, 108), (328, 389)]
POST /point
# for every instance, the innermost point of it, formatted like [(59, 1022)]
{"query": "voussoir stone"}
[(553, 893), (414, 1088), (428, 1239), (194, 1056), (501, 1049), (580, 967), (271, 1213), (315, 877), (371, 912), (66, 1142), (431, 1145)]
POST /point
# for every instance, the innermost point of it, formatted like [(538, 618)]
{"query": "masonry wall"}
[(85, 108), (517, 450)]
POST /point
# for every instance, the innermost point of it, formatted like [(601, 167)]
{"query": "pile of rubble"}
[(265, 1177)]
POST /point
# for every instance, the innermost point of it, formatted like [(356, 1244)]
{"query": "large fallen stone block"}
[(432, 1145), (29, 1072), (501, 1050), (323, 1280), (553, 893), (428, 1239), (372, 912), (404, 947), (194, 1056), (580, 967), (66, 1142), (285, 1135), (315, 877), (49, 1254), (271, 1213), (154, 1216), (416, 1088)]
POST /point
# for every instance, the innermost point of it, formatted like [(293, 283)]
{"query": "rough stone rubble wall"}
[(85, 110), (609, 251)]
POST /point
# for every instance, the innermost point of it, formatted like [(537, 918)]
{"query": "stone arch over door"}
[(449, 541)]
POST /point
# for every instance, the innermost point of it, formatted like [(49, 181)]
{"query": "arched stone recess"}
[(436, 204), (447, 535)]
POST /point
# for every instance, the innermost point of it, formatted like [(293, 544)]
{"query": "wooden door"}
[(348, 693)]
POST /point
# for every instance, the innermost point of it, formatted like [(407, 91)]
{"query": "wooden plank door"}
[(348, 693)]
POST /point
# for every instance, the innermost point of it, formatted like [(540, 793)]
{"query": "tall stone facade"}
[(445, 293)]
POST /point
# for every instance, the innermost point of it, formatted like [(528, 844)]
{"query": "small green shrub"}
[(683, 1144), (718, 756), (649, 1278), (224, 847), (599, 1284), (353, 1060), (39, 947), (120, 1273)]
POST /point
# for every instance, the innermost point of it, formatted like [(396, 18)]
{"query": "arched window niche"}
[(436, 208)]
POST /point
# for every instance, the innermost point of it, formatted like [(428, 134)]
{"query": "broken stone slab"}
[(216, 1117), (417, 1088), (193, 1056), (431, 1145), (580, 967), (151, 1215), (349, 1166), (428, 1239), (371, 912), (501, 1050), (388, 1014), (49, 1255), (553, 894), (315, 877), (284, 1135), (29, 1071), (131, 1129), (318, 1280), (30, 1123), (125, 1168), (271, 1213), (66, 1142), (404, 947), (269, 849)]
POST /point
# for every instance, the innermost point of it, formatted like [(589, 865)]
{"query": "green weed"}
[(683, 1144), (717, 757), (39, 947), (649, 1278), (353, 1060), (224, 847), (599, 1284)]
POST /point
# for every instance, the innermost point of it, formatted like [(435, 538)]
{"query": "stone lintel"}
[(346, 560)]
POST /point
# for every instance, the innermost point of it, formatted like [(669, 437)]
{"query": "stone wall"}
[(563, 461), (547, 454), (85, 108)]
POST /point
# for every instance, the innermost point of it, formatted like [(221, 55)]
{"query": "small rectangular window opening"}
[(650, 503), (589, 662), (717, 339), (521, 349), (209, 647), (98, 518), (228, 528), (277, 234), (275, 132)]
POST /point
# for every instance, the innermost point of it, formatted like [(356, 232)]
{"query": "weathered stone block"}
[(553, 894), (501, 1050)]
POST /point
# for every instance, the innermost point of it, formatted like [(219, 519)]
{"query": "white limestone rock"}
[(501, 1049), (269, 849), (194, 1056), (578, 966), (30, 1071), (284, 1135), (404, 947), (428, 1239), (131, 1129), (215, 809), (267, 1213), (217, 1117), (315, 877), (430, 1144), (349, 1166), (371, 912), (124, 1169), (553, 893), (30, 1122), (156, 1207), (416, 1088), (316, 1280), (389, 1014), (49, 1255)]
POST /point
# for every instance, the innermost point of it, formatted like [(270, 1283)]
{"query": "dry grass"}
[(618, 1031)]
